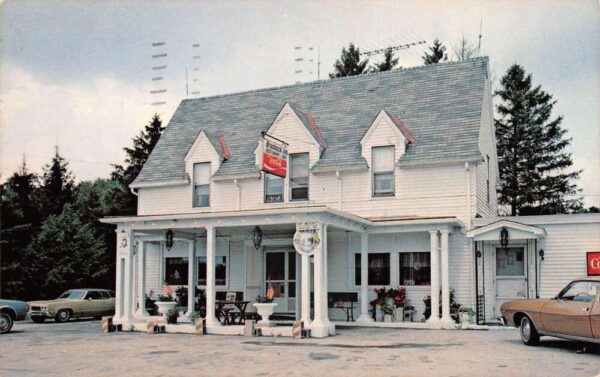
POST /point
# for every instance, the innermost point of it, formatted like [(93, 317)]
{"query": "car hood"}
[(49, 302), (532, 305)]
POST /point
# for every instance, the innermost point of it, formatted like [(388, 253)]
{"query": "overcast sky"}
[(78, 73)]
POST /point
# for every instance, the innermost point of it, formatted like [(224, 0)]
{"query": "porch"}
[(223, 246)]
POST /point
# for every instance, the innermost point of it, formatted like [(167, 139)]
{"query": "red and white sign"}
[(274, 159), (593, 263)]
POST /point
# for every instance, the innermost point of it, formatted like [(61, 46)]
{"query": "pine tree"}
[(65, 253), (143, 145), (349, 63), (437, 53), (533, 161), (389, 62), (58, 186)]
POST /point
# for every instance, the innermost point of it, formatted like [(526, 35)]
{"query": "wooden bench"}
[(340, 300)]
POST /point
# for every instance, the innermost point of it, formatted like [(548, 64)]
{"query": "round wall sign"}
[(307, 238)]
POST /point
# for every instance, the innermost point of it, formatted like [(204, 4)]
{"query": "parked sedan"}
[(573, 314), (74, 303), (11, 311)]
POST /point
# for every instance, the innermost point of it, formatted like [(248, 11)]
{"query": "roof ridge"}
[(336, 79)]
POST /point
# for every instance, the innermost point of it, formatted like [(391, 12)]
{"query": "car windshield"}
[(72, 295)]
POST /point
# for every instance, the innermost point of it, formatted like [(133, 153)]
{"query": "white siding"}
[(382, 132), (487, 146)]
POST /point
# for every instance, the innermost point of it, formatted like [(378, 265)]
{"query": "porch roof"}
[(285, 215), (517, 231)]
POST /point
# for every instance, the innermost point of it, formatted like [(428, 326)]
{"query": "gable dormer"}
[(386, 131), (207, 148), (299, 129)]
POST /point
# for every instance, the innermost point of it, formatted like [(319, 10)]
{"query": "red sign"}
[(274, 159), (593, 263)]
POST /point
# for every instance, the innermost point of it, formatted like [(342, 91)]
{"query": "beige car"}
[(74, 303), (573, 314)]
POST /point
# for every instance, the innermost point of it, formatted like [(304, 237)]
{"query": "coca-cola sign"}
[(274, 159), (593, 263)]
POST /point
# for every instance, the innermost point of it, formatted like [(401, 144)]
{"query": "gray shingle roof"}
[(439, 104)]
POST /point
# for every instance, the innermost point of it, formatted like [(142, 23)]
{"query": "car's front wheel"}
[(63, 315), (6, 323), (529, 334)]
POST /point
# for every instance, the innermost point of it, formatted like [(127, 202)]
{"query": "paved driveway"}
[(79, 349)]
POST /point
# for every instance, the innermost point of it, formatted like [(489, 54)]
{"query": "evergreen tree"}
[(532, 154), (143, 145), (58, 186), (437, 53), (65, 253), (18, 221), (349, 63), (389, 62)]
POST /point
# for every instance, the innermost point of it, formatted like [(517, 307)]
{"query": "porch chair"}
[(229, 296)]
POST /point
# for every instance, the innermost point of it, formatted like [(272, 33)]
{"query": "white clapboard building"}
[(396, 170)]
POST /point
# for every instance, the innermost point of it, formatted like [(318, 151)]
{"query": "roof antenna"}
[(479, 44)]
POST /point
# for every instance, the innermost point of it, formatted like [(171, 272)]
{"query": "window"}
[(415, 268), (582, 291), (379, 269), (93, 295), (273, 188), (105, 295), (299, 176), (383, 171), (487, 162), (510, 261), (202, 184), (176, 271), (220, 270)]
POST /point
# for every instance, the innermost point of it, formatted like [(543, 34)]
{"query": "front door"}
[(511, 280), (280, 274)]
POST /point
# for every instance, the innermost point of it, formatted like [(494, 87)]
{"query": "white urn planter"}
[(465, 318), (387, 318), (399, 314), (164, 306), (265, 310)]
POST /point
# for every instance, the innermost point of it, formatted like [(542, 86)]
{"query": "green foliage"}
[(349, 63), (65, 253), (58, 186), (535, 168), (437, 53), (389, 62)]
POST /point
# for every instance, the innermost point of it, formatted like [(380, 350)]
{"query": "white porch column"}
[(141, 253), (435, 279), (192, 263), (210, 275), (305, 312), (364, 280), (325, 251), (129, 278), (321, 326), (445, 279)]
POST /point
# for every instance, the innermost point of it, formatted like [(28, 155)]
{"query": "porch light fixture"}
[(169, 239), (504, 237), (541, 254), (257, 237)]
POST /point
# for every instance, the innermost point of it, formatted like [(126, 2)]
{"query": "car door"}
[(108, 303), (569, 313), (92, 305), (595, 314)]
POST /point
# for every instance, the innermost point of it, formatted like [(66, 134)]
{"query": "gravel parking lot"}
[(78, 348)]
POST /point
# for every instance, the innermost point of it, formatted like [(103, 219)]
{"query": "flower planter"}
[(399, 314), (465, 318), (164, 306), (378, 314), (265, 310), (387, 318)]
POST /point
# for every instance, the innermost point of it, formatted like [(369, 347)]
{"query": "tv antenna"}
[(479, 43), (304, 63), (158, 68), (393, 48)]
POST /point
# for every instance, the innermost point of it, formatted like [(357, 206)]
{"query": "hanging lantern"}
[(169, 239), (257, 237), (504, 237)]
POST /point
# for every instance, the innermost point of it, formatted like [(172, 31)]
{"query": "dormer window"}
[(202, 184), (273, 188), (299, 176), (383, 170)]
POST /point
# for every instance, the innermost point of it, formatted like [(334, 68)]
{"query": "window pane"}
[(275, 266), (291, 290), (415, 268), (379, 269), (299, 176), (220, 270), (509, 262), (176, 271), (202, 173), (384, 183), (292, 265), (581, 291), (202, 196), (383, 159), (357, 276), (273, 188)]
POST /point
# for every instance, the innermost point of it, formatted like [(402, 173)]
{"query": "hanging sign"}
[(274, 157), (123, 243), (593, 263), (308, 237)]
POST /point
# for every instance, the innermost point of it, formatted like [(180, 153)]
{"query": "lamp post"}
[(257, 237)]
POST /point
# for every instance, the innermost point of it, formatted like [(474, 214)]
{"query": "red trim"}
[(315, 128), (224, 147), (593, 263), (411, 139)]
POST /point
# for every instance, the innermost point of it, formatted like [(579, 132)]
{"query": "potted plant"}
[(265, 307), (379, 303), (388, 311), (466, 315), (399, 300), (166, 301), (171, 316), (181, 295)]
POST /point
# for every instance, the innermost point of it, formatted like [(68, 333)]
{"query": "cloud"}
[(589, 181)]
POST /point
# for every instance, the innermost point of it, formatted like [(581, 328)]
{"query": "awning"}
[(517, 231)]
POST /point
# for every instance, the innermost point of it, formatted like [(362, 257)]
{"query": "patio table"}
[(230, 318)]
